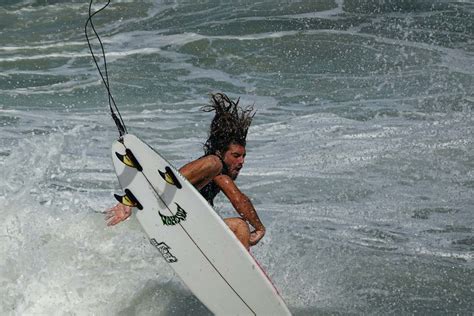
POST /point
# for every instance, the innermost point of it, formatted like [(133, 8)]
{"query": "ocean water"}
[(360, 158)]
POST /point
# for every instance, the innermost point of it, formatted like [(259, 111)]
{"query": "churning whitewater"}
[(360, 158)]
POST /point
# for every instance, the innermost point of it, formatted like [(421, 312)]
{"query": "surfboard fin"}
[(128, 199), (129, 159), (170, 177)]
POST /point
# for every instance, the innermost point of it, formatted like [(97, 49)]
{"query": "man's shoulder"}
[(211, 158), (213, 161)]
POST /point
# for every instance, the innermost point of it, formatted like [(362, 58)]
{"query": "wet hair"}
[(229, 125)]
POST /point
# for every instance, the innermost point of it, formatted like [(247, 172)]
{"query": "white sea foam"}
[(110, 55), (375, 185), (42, 46)]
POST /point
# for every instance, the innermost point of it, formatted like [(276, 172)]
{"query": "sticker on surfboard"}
[(164, 249), (180, 215)]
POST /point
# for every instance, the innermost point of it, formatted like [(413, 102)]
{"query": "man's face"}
[(234, 158)]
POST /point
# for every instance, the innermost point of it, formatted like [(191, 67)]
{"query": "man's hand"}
[(256, 235), (117, 214)]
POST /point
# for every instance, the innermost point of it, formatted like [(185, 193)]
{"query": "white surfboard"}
[(190, 236)]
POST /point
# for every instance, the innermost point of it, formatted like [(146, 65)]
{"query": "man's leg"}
[(240, 229)]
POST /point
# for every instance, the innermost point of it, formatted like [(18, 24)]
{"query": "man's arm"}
[(242, 205), (199, 172)]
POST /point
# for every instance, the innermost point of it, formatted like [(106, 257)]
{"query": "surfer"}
[(216, 171)]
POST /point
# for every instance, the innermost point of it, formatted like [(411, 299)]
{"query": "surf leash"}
[(117, 117)]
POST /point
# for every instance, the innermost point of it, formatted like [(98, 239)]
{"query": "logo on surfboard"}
[(164, 249), (175, 219)]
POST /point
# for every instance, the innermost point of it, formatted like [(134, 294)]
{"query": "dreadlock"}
[(229, 125)]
